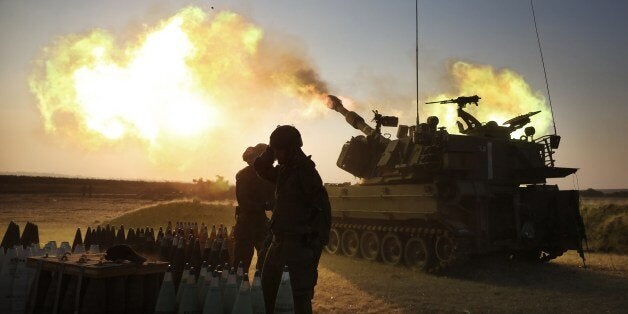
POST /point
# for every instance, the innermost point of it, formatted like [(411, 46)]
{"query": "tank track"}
[(431, 249)]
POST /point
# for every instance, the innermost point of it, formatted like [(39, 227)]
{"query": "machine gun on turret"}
[(462, 101), (519, 121)]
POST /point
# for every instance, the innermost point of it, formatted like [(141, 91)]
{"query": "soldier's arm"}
[(267, 193), (238, 187), (311, 182), (264, 166)]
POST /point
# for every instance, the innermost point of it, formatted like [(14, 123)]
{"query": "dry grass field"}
[(606, 221), (487, 284), (58, 216)]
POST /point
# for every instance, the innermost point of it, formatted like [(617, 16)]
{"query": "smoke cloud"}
[(504, 92), (174, 88)]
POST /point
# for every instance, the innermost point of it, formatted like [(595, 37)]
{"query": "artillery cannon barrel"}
[(354, 119)]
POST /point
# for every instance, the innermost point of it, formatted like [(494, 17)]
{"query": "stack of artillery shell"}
[(149, 242), (178, 260), (167, 298), (202, 238), (22, 281), (197, 245), (164, 248), (11, 236), (9, 265), (15, 277), (64, 248), (94, 248), (195, 254), (130, 238), (257, 294), (217, 291), (80, 249), (94, 238), (231, 243), (230, 292), (239, 274), (207, 249), (30, 235), (97, 236), (212, 234), (120, 237), (224, 256), (204, 282), (243, 303), (78, 239), (88, 237), (189, 296), (51, 248), (160, 234), (182, 282), (213, 298), (284, 303)]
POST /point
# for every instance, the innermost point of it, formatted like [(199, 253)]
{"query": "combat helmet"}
[(251, 152), (284, 137)]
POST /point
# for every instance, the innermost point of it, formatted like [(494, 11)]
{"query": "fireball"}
[(191, 77), (505, 94)]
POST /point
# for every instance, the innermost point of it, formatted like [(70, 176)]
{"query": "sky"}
[(364, 50)]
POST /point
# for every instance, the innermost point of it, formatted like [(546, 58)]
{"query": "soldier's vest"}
[(297, 214)]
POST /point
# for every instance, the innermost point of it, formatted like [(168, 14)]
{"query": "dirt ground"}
[(490, 284), (487, 284)]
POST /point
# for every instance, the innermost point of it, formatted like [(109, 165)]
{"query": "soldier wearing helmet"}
[(300, 202), (254, 197)]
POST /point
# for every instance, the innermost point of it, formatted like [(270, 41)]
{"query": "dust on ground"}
[(487, 284), (347, 285)]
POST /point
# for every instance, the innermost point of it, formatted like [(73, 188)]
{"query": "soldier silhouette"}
[(254, 196), (298, 234)]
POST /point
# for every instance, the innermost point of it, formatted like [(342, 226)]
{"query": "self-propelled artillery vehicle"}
[(430, 198)]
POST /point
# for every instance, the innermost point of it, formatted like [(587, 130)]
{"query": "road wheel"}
[(334, 242), (369, 245), (445, 250), (350, 243), (392, 249), (417, 254)]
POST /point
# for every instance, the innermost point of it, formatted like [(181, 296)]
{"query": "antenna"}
[(538, 39), (416, 19)]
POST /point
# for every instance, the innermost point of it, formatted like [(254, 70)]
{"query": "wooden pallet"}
[(92, 269)]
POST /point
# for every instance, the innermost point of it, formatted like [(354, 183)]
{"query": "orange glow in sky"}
[(182, 80)]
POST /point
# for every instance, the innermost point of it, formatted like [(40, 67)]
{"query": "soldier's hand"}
[(268, 206), (269, 150), (267, 157)]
